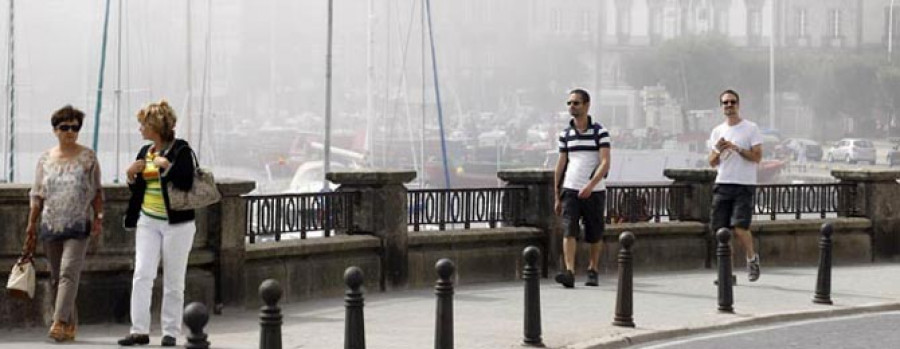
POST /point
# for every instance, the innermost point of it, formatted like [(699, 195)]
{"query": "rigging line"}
[(437, 93), (100, 82), (370, 80), (189, 76), (127, 74), (402, 83), (387, 84), (204, 87)]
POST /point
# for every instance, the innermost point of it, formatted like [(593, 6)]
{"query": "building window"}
[(802, 21), (834, 23), (755, 25), (722, 22), (585, 21), (487, 12), (624, 20), (656, 22), (555, 21), (888, 32)]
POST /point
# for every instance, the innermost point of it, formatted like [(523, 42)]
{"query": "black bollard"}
[(532, 276), (443, 336), (270, 315), (195, 317), (354, 324), (823, 281), (723, 253), (625, 294)]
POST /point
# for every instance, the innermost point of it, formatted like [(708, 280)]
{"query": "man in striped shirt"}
[(580, 186)]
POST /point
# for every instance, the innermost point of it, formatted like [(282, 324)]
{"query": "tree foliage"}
[(834, 84)]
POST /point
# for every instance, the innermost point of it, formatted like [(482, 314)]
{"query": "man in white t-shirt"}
[(736, 152), (580, 186)]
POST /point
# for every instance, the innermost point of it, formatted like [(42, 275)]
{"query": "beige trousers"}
[(66, 260)]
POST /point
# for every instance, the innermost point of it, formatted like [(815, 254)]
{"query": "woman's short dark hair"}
[(585, 97), (67, 113)]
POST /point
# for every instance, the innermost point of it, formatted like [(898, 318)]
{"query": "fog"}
[(248, 80)]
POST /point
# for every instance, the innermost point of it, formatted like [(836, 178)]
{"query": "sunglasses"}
[(729, 102), (573, 103), (67, 128)]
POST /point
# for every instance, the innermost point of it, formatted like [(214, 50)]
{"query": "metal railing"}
[(320, 214), (446, 207), (805, 199), (644, 202), (273, 216)]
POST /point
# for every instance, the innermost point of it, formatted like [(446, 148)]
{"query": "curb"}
[(624, 341)]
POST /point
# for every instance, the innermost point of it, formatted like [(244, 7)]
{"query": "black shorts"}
[(589, 211), (732, 206)]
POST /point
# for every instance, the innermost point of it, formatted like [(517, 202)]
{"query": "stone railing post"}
[(876, 198), (536, 209), (698, 196), (381, 211), (696, 201), (227, 226)]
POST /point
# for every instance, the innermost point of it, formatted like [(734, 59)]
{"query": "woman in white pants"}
[(160, 231)]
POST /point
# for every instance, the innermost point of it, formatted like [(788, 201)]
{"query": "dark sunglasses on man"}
[(729, 102), (67, 128)]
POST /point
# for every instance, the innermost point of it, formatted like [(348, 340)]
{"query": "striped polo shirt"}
[(154, 206), (583, 150)]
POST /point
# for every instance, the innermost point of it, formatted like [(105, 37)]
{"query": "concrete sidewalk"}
[(490, 315)]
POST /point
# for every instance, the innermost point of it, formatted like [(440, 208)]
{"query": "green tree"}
[(694, 69)]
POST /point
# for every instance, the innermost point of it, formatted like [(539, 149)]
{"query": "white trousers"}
[(155, 238)]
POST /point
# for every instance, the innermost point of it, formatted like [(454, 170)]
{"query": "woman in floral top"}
[(66, 208)]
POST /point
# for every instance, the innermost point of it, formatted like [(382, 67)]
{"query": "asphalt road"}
[(878, 330)]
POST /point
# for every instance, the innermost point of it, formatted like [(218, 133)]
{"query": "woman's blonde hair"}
[(159, 117)]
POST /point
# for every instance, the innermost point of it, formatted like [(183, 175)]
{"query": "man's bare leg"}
[(596, 250), (570, 247), (746, 239), (567, 277)]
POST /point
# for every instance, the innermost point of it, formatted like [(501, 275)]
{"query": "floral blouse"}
[(67, 188)]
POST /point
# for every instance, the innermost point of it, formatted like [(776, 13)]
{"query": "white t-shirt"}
[(734, 168)]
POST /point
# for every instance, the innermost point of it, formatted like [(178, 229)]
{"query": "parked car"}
[(794, 145), (852, 150), (893, 155)]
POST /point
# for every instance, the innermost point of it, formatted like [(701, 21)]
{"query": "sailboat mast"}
[(188, 110), (370, 76), (437, 94), (424, 172), (11, 96), (118, 88), (327, 157), (100, 82)]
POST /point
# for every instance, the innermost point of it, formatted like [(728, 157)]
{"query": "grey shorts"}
[(588, 211), (732, 206)]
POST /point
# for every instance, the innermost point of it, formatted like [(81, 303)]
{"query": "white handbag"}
[(21, 278)]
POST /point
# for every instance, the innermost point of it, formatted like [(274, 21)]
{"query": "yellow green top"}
[(153, 205)]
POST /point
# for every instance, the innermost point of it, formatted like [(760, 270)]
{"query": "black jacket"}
[(180, 173)]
